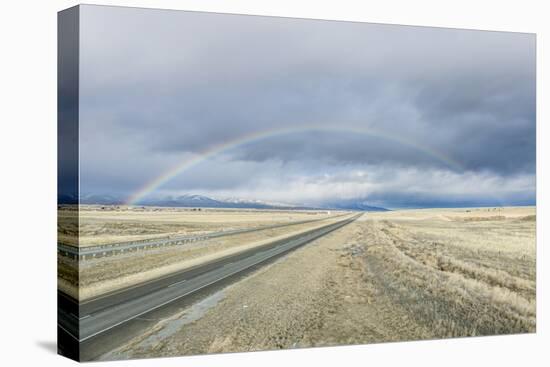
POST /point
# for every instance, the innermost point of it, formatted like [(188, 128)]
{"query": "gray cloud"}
[(160, 86)]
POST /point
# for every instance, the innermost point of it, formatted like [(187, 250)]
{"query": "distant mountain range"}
[(201, 201), (359, 205)]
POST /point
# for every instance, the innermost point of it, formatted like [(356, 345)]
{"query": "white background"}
[(28, 180)]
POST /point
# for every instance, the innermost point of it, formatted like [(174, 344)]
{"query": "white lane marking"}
[(181, 281), (68, 332), (169, 301), (84, 317)]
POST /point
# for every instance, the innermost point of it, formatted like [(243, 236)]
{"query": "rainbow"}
[(214, 150)]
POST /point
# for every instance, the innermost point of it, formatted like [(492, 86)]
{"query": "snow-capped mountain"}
[(194, 200), (201, 201)]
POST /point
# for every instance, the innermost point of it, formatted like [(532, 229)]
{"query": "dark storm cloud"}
[(160, 85)]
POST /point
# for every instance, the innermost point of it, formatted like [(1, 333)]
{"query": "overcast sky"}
[(453, 110)]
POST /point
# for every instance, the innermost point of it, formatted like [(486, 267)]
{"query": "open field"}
[(402, 275), (112, 224)]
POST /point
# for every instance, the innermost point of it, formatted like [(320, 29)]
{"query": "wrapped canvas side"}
[(68, 181)]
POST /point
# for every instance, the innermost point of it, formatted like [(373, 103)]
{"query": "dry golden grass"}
[(459, 272), (67, 226), (110, 224)]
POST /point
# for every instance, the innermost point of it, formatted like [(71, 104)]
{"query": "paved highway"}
[(92, 318), (89, 252)]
